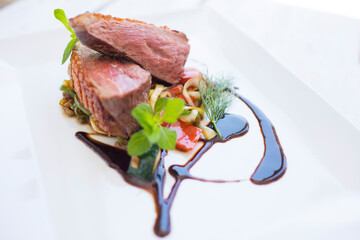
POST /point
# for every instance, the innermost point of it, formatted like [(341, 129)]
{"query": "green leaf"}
[(144, 115), (60, 15), (173, 110), (138, 144), (154, 135), (140, 110), (160, 104), (157, 118), (167, 138), (152, 132), (68, 50), (146, 164)]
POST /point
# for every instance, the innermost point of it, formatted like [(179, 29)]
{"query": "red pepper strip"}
[(187, 135), (189, 73), (182, 97), (176, 90)]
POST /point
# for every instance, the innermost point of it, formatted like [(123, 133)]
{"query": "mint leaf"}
[(157, 117), (138, 144), (60, 15), (167, 138), (154, 135), (144, 115), (141, 109), (152, 131), (160, 104), (68, 50), (173, 110)]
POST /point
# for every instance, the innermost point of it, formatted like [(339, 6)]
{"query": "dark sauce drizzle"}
[(273, 163), (271, 167)]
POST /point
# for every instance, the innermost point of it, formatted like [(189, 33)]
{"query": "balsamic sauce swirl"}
[(271, 167), (273, 163)]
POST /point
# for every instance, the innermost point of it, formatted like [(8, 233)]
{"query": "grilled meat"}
[(161, 51), (109, 89)]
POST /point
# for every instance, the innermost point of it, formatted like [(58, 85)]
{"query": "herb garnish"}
[(215, 98), (74, 104), (165, 110), (145, 165), (60, 15)]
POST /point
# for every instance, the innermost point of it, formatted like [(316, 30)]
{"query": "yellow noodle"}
[(155, 95)]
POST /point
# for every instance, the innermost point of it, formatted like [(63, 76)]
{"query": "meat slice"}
[(161, 51), (109, 89)]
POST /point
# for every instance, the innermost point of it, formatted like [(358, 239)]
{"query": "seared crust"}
[(159, 50)]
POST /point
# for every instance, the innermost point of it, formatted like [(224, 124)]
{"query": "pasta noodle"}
[(190, 93)]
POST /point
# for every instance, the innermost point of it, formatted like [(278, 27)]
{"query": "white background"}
[(321, 47)]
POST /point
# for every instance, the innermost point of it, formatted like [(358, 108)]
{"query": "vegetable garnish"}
[(165, 110), (215, 97), (60, 15), (143, 166), (72, 104), (187, 135)]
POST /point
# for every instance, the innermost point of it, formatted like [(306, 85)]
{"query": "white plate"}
[(316, 199)]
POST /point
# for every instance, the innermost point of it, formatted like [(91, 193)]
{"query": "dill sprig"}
[(215, 97)]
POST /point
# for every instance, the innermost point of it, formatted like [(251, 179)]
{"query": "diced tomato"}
[(176, 90), (189, 73), (183, 97), (187, 135)]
